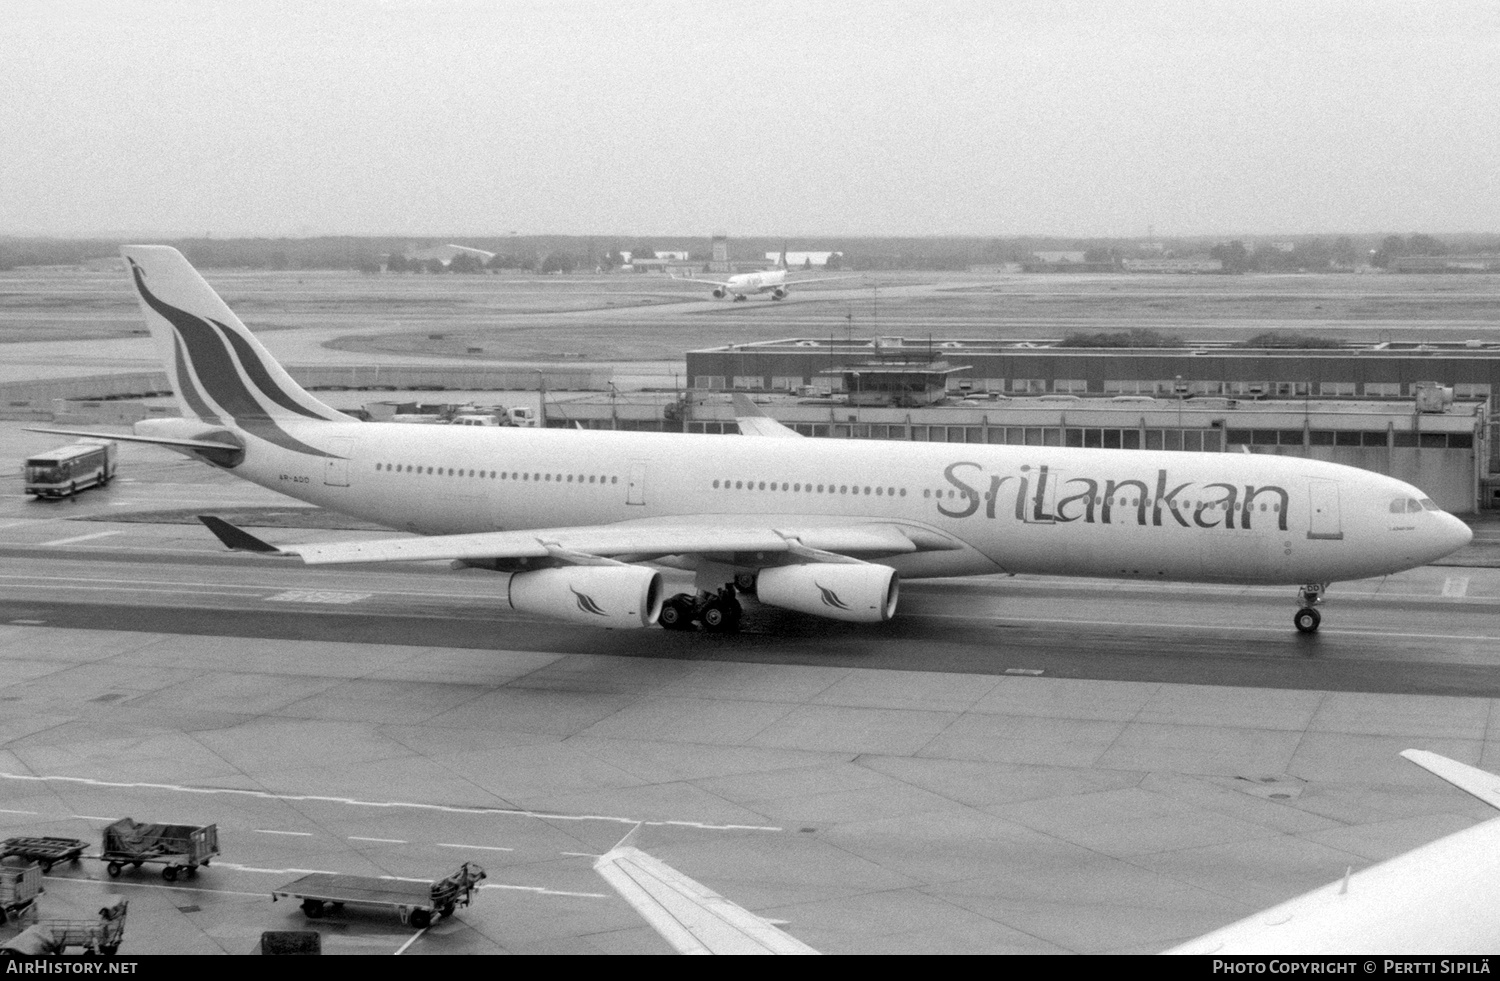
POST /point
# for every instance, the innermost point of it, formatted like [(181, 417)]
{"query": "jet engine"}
[(778, 293), (598, 595), (720, 292), (863, 593)]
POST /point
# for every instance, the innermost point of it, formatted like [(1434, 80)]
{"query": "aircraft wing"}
[(807, 538), (705, 282), (824, 279), (1419, 902), (689, 915), (754, 422), (187, 444), (1469, 779)]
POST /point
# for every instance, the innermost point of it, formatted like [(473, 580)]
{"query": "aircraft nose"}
[(1458, 533)]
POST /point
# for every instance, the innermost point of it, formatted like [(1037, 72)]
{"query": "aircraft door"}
[(336, 467), (635, 487), (1323, 519)]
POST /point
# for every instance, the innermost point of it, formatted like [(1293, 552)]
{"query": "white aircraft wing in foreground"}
[(1440, 898), (690, 916)]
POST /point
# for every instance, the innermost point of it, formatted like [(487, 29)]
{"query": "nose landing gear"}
[(1307, 618)]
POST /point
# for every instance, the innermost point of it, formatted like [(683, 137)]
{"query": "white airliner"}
[(1437, 899), (825, 527), (773, 281)]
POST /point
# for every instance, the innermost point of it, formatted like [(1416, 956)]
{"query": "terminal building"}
[(1416, 411)]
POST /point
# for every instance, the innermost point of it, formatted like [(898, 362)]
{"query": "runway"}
[(1012, 765)]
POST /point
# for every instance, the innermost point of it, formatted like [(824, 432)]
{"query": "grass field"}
[(623, 318)]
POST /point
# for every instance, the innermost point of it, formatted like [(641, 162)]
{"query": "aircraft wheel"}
[(745, 582), (115, 868), (421, 919), (721, 616), (677, 613), (1307, 620), (312, 907), (169, 873)]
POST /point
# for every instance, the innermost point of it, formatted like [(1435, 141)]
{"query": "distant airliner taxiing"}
[(825, 527), (773, 281)]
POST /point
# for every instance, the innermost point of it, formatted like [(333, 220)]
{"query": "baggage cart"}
[(100, 935), (44, 851), (180, 848), (415, 902), (20, 884)]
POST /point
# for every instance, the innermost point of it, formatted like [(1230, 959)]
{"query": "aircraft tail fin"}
[(1470, 779), (220, 372), (754, 422)]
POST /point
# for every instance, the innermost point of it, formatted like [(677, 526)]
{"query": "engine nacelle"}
[(598, 595), (720, 292), (857, 593)]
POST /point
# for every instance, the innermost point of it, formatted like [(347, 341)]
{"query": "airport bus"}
[(67, 470)]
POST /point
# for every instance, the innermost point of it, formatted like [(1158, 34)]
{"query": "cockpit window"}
[(1429, 504), (1407, 505)]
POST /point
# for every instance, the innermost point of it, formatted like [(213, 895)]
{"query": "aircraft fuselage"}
[(1082, 512)]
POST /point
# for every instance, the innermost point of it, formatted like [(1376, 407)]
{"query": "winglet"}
[(1469, 779), (237, 539)]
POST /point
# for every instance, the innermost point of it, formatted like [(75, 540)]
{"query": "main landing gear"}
[(1307, 617), (718, 612)]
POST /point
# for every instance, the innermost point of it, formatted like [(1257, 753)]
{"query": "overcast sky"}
[(919, 118)]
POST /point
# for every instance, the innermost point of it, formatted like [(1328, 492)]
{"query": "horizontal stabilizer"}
[(1469, 779), (753, 421), (186, 444), (237, 539), (690, 916)]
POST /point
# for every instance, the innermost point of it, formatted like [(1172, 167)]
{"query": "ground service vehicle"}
[(44, 851), (20, 884), (179, 847), (417, 903), (67, 470), (101, 935)]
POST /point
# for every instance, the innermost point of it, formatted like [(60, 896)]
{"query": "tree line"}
[(560, 253)]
